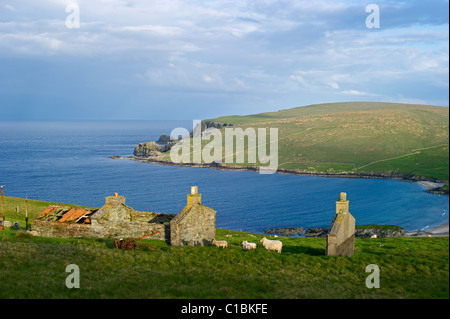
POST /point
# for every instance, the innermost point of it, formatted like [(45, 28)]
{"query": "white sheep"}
[(373, 236), (247, 246), (272, 244), (220, 243)]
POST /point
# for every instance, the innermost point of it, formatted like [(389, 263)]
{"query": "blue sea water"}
[(69, 162)]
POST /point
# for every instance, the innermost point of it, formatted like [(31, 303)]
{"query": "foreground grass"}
[(34, 267)]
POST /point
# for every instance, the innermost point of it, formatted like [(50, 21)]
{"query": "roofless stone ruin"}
[(341, 238), (195, 225)]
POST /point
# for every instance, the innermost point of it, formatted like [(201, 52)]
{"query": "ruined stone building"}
[(341, 238), (194, 225)]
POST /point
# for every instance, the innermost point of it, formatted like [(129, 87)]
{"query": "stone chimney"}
[(342, 204), (194, 197), (341, 238), (114, 201)]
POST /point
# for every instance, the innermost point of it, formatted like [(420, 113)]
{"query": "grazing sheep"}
[(34, 233), (220, 243), (272, 244), (373, 237), (247, 246)]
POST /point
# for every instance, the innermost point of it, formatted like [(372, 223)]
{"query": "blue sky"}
[(181, 59)]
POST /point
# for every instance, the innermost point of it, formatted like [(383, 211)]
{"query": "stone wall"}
[(61, 230), (197, 228), (125, 229), (195, 225), (102, 230)]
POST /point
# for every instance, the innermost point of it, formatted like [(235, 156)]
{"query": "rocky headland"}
[(152, 149), (164, 139)]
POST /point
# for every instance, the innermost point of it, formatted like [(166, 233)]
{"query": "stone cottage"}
[(194, 225)]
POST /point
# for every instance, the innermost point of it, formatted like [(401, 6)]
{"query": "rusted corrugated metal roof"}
[(48, 211), (65, 214), (73, 214)]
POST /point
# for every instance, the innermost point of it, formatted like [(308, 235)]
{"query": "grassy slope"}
[(34, 267), (360, 137)]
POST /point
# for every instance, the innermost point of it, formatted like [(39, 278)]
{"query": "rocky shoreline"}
[(434, 187), (286, 231), (439, 191), (221, 166), (360, 232), (377, 231)]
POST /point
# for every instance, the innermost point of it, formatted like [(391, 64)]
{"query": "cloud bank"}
[(199, 59)]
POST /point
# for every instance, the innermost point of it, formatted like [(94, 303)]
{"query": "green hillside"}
[(35, 267), (389, 139)]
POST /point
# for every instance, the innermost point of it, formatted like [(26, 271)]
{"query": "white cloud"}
[(30, 44), (207, 78), (158, 30), (8, 7), (321, 77), (277, 51), (298, 78), (354, 92)]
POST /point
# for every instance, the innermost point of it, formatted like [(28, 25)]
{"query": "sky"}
[(200, 59)]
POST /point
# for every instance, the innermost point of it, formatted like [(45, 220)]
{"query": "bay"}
[(69, 162)]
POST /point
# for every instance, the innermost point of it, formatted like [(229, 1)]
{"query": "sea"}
[(69, 162)]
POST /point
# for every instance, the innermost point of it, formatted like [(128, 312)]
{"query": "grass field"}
[(34, 267), (401, 140)]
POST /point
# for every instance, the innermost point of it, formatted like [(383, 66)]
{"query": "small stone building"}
[(341, 238), (195, 223)]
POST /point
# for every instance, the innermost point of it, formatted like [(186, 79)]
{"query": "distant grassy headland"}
[(35, 267), (354, 139), (390, 139)]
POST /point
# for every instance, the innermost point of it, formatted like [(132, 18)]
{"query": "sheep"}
[(247, 246), (272, 244), (34, 233), (220, 243), (373, 237)]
